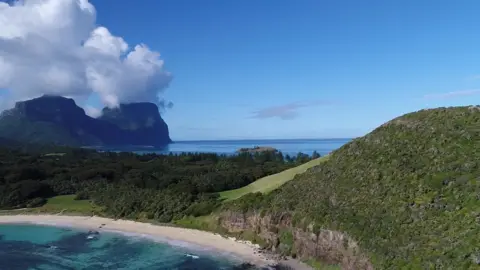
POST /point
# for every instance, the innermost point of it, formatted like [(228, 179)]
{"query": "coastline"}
[(243, 250)]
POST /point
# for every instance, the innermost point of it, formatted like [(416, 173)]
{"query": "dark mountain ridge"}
[(58, 120)]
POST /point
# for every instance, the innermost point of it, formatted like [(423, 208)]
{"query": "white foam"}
[(192, 256), (178, 243)]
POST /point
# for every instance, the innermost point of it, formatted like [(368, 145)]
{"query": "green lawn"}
[(271, 182), (67, 204)]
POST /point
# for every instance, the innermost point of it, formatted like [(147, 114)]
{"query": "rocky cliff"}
[(141, 122), (279, 234), (58, 120)]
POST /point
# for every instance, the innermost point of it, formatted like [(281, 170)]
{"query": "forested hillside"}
[(408, 194), (159, 187)]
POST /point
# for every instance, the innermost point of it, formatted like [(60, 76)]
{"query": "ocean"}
[(290, 146), (38, 247)]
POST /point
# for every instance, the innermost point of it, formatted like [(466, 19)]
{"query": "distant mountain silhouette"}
[(58, 120)]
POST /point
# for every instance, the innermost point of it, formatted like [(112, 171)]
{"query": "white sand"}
[(241, 249)]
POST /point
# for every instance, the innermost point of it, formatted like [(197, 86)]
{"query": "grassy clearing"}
[(64, 204), (67, 203), (271, 182), (54, 154)]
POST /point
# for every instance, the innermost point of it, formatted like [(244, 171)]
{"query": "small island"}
[(257, 149)]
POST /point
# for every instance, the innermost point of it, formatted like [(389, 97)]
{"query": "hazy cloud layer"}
[(285, 112), (92, 111), (453, 94), (55, 47)]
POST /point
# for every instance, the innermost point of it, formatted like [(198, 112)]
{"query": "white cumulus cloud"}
[(92, 111), (55, 47)]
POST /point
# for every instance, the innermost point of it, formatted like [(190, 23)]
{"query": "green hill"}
[(268, 183), (405, 196)]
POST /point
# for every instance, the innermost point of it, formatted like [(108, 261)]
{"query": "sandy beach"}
[(243, 250)]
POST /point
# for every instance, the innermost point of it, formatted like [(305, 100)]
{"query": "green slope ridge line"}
[(271, 182)]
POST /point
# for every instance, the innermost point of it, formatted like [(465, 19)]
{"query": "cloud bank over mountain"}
[(55, 47)]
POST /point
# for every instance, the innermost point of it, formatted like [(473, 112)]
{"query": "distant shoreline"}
[(257, 149), (264, 140), (243, 250), (289, 147)]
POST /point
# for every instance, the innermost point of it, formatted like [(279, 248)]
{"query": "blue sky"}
[(306, 68)]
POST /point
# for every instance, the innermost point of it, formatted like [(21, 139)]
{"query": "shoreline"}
[(243, 250)]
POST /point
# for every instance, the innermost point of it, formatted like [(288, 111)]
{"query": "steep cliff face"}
[(141, 121), (58, 120), (279, 235)]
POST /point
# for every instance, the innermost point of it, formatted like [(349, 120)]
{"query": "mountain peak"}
[(56, 119), (143, 118), (47, 107), (133, 108)]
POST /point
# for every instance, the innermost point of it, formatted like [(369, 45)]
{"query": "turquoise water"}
[(29, 247), (291, 147)]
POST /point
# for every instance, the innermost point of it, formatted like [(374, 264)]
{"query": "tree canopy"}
[(160, 187)]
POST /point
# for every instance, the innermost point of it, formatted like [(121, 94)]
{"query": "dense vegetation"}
[(409, 192), (160, 187)]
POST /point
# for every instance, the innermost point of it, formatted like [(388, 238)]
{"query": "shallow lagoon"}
[(28, 246)]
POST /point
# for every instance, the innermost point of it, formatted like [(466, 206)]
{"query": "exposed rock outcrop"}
[(279, 235)]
